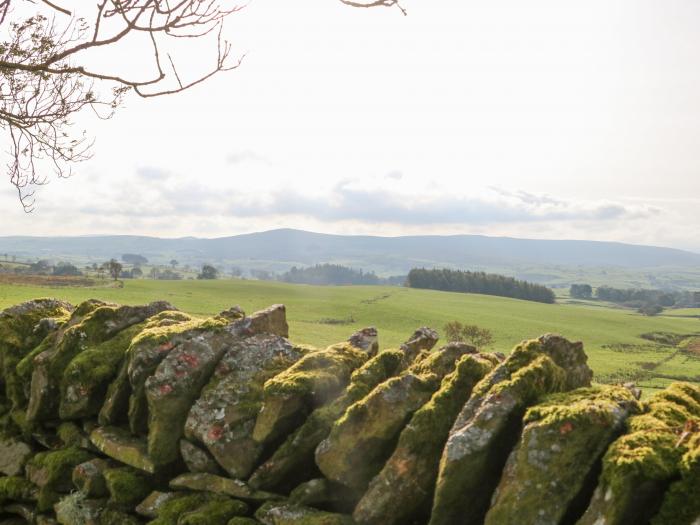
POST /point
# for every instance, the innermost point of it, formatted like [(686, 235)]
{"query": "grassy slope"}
[(398, 311)]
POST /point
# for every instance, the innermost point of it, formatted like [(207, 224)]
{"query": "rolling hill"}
[(546, 261)]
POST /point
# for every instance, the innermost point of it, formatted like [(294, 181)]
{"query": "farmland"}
[(321, 315)]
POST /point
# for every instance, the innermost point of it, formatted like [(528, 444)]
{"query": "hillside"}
[(552, 262), (322, 315)]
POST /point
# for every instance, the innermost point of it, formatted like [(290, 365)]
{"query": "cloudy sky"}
[(544, 119)]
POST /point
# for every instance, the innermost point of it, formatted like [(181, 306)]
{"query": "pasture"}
[(320, 315)]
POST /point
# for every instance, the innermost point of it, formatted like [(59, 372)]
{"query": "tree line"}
[(335, 274), (478, 282), (647, 301)]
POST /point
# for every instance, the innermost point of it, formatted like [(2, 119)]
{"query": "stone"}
[(27, 512), (363, 438), (13, 455), (198, 460), (118, 444), (217, 511), (563, 439), (295, 457), (175, 386), (150, 506), (88, 478), (639, 465), (224, 415), (53, 470), (174, 509), (126, 487), (404, 487), (142, 357), (274, 513), (86, 379), (681, 505), (271, 320), (22, 328), (221, 485), (71, 435), (422, 339), (487, 427), (98, 326), (314, 380), (15, 488), (177, 382), (324, 493), (148, 351)]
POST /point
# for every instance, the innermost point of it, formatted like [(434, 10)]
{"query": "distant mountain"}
[(279, 250)]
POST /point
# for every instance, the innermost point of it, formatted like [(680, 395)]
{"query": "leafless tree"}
[(55, 61), (375, 3)]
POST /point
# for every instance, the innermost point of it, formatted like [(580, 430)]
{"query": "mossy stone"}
[(562, 443), (126, 486), (404, 487)]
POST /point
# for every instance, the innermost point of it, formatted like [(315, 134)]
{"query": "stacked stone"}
[(142, 414)]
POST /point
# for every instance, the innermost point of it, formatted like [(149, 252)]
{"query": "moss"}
[(403, 489), (275, 513), (21, 331), (364, 436), (379, 368), (86, 378), (297, 451), (127, 487), (681, 505), (565, 430), (649, 456), (215, 512), (242, 521), (46, 499), (319, 373), (53, 469), (170, 511), (14, 488), (115, 517), (314, 380), (70, 434), (100, 325)]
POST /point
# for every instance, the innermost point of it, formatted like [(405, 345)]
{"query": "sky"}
[(539, 119)]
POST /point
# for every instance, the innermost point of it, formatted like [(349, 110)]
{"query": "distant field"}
[(322, 315)]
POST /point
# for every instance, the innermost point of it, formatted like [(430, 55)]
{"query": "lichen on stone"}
[(638, 466), (363, 437), (538, 484), (404, 487), (314, 380)]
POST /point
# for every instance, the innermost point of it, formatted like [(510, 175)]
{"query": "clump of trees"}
[(208, 272), (325, 274), (478, 282), (468, 333), (134, 258), (66, 269), (336, 274), (581, 291)]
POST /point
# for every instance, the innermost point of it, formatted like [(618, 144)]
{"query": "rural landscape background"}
[(349, 262), (639, 316)]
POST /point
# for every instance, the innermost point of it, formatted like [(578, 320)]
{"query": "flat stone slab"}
[(122, 446), (220, 485)]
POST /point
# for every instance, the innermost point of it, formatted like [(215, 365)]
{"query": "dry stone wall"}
[(116, 414)]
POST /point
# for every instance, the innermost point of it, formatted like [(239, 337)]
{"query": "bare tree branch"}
[(376, 3), (45, 78)]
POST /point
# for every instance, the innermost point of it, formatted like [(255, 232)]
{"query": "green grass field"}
[(323, 315)]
